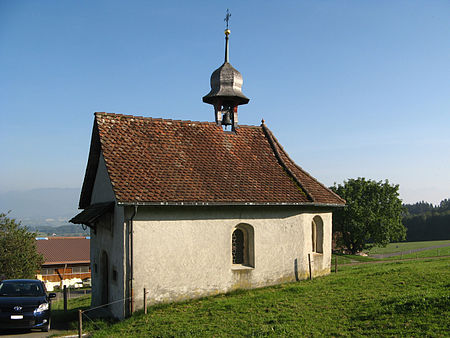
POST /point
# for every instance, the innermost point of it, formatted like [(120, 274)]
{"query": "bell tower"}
[(226, 89)]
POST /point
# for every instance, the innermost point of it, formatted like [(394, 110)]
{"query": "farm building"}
[(188, 209), (65, 259)]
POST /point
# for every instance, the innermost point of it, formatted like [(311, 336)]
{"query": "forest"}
[(427, 222)]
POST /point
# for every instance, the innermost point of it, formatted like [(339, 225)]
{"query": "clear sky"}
[(349, 88)]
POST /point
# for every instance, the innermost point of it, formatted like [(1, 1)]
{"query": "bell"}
[(226, 119)]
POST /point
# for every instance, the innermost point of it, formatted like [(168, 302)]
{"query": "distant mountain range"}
[(46, 207)]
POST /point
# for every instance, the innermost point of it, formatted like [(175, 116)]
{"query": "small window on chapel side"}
[(242, 246), (317, 234), (237, 247)]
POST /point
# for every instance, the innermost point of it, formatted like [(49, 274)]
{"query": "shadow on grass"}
[(62, 320)]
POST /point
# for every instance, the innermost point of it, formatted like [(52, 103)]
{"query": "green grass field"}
[(437, 252), (348, 259), (405, 246), (68, 320), (409, 298), (445, 251)]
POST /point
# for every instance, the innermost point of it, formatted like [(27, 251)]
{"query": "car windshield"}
[(21, 289)]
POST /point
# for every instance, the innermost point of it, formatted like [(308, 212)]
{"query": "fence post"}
[(309, 263), (80, 324), (335, 263), (145, 301), (65, 297)]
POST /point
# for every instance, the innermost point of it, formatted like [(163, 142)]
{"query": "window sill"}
[(238, 267)]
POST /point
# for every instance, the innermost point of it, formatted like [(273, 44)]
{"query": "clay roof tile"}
[(172, 161)]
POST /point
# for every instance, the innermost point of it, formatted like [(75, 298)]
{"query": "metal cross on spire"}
[(227, 17)]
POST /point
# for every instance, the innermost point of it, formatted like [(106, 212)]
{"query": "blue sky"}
[(350, 88)]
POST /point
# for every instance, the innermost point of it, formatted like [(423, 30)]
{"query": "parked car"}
[(24, 304)]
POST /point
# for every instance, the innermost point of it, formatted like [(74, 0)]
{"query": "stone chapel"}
[(188, 209)]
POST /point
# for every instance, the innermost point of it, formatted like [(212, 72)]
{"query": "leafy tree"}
[(18, 255), (373, 214)]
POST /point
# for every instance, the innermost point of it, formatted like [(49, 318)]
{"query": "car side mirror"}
[(52, 295)]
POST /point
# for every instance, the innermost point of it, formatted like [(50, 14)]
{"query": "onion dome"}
[(226, 91), (226, 83)]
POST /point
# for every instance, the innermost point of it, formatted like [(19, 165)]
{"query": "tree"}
[(373, 214), (18, 255), (444, 205)]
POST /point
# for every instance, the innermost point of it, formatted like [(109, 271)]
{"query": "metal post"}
[(145, 301), (335, 263), (65, 297), (309, 262), (80, 324)]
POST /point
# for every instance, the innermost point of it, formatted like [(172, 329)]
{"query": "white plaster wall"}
[(113, 242), (185, 252), (102, 190)]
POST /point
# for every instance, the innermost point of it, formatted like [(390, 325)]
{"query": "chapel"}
[(187, 209)]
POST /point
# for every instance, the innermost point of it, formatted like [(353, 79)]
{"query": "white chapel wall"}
[(102, 190), (110, 240), (182, 253)]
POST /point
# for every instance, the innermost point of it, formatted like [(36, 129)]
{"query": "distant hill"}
[(63, 230), (41, 207)]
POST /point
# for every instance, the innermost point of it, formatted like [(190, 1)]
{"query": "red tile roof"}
[(64, 250), (157, 161)]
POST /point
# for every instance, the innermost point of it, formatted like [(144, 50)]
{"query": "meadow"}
[(405, 246), (407, 298)]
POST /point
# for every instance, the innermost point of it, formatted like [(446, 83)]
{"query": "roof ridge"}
[(305, 172), (160, 119), (272, 142)]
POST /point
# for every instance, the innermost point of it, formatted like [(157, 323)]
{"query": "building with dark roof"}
[(65, 258), (188, 209)]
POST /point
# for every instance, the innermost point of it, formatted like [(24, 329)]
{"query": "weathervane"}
[(227, 32), (227, 17)]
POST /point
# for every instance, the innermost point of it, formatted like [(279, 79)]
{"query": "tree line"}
[(427, 222)]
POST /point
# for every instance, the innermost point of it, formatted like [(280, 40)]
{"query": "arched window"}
[(317, 234), (242, 245), (237, 248)]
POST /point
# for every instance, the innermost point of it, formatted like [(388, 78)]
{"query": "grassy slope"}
[(347, 259), (405, 246), (404, 298), (63, 320), (421, 254)]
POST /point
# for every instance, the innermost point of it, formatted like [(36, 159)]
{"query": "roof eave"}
[(328, 205), (66, 262)]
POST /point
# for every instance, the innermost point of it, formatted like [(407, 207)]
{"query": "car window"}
[(21, 289)]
